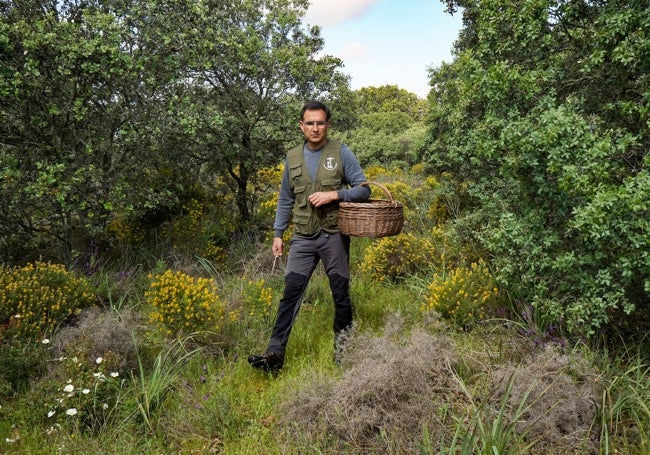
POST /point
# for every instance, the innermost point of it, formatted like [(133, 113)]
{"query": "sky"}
[(386, 42)]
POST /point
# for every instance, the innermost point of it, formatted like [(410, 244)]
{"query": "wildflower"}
[(85, 391), (69, 388), (104, 406), (71, 412), (9, 440), (115, 374), (99, 360), (51, 413), (45, 341)]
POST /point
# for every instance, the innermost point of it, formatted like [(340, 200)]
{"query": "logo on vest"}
[(330, 164)]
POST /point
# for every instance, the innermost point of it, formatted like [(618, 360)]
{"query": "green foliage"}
[(21, 361), (65, 79), (389, 98), (551, 148), (184, 304), (388, 128), (624, 406), (152, 387), (37, 298), (113, 113)]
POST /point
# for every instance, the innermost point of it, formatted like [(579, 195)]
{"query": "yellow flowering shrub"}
[(418, 169), (463, 295), (397, 257), (185, 304), (186, 226), (258, 299), (126, 230), (37, 298), (266, 208), (374, 171), (268, 179)]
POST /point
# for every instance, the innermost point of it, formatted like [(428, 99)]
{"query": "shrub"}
[(258, 299), (464, 295), (184, 304), (398, 257), (20, 362), (37, 298)]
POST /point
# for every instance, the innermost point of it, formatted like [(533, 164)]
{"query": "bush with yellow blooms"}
[(184, 304), (463, 295), (37, 298)]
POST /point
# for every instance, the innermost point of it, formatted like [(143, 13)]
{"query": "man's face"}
[(314, 126)]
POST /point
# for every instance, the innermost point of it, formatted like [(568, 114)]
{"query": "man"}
[(317, 175)]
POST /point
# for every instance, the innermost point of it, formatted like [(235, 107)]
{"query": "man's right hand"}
[(278, 246)]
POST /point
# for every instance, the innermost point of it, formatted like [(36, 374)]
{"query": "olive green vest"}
[(307, 219)]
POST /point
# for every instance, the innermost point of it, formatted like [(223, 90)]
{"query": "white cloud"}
[(353, 50), (333, 12)]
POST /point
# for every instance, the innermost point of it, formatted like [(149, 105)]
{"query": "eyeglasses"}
[(313, 124)]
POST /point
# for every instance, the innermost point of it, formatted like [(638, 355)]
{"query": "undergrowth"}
[(438, 360)]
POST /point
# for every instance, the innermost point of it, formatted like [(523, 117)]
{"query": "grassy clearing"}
[(410, 382)]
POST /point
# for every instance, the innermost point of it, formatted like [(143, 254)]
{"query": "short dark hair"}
[(314, 105)]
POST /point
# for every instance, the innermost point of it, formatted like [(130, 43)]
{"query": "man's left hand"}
[(323, 197)]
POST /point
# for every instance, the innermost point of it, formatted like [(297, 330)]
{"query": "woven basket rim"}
[(370, 202)]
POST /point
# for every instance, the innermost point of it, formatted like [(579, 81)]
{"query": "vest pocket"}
[(295, 171), (331, 184), (300, 195)]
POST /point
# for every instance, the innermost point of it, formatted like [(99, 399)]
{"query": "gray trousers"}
[(304, 254)]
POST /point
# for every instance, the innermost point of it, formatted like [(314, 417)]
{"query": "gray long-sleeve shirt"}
[(352, 176)]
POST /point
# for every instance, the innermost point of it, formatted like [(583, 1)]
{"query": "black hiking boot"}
[(269, 361)]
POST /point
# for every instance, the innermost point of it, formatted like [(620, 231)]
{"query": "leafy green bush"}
[(20, 362), (557, 172)]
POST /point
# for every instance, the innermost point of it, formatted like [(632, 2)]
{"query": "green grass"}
[(187, 398)]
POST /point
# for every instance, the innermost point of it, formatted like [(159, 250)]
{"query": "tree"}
[(388, 126), (115, 107), (544, 115), (391, 98), (255, 66), (64, 82)]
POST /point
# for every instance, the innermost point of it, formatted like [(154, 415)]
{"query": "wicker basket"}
[(374, 218)]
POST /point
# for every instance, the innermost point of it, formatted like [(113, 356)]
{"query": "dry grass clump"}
[(390, 391), (98, 333), (425, 392), (560, 391)]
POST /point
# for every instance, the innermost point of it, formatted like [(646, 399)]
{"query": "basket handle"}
[(384, 189)]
